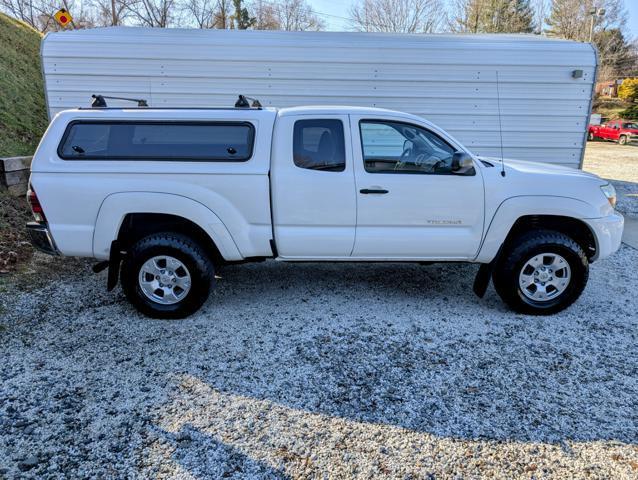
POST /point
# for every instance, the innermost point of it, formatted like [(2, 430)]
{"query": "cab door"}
[(614, 133), (312, 187), (607, 130), (410, 202)]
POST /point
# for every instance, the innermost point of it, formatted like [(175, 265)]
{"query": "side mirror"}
[(462, 162)]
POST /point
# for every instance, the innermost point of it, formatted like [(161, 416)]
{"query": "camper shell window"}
[(148, 140)]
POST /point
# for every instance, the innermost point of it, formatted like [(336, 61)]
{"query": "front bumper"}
[(41, 238), (608, 233)]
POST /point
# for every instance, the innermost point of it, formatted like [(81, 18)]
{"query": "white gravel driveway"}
[(319, 371)]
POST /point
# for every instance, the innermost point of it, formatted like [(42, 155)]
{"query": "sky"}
[(335, 12), (632, 8)]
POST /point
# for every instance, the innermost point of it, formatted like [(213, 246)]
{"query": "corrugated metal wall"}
[(448, 79)]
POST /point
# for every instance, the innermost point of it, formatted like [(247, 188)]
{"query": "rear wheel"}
[(542, 273), (167, 275), (622, 140)]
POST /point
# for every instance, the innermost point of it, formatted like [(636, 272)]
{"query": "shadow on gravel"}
[(301, 369), (375, 355)]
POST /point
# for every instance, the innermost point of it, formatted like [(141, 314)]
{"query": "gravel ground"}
[(319, 371)]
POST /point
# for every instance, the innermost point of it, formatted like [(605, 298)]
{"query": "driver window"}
[(396, 147)]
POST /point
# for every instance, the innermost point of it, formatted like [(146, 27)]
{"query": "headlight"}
[(610, 192)]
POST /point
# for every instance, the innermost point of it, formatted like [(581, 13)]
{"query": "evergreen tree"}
[(495, 16), (242, 18)]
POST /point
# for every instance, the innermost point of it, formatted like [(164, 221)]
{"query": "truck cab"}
[(163, 197), (371, 185)]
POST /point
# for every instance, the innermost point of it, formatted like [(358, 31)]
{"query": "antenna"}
[(500, 126)]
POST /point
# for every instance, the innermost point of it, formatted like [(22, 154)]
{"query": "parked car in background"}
[(621, 131)]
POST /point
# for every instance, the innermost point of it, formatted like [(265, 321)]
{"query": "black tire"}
[(622, 140), (185, 250), (524, 248), (591, 137)]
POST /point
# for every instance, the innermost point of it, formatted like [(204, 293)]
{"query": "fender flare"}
[(511, 209), (117, 205)]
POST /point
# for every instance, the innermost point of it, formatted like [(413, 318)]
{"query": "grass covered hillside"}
[(23, 116)]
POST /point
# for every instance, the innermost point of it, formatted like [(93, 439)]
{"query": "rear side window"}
[(319, 145), (189, 141)]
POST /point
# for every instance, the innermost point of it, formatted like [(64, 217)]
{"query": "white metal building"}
[(544, 85)]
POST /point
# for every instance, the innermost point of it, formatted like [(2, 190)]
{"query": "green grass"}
[(23, 117)]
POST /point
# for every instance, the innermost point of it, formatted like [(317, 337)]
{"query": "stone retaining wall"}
[(14, 174)]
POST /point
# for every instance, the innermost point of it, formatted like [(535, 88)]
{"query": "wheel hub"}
[(544, 277), (164, 279)]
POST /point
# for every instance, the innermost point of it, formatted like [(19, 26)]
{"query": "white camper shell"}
[(532, 91)]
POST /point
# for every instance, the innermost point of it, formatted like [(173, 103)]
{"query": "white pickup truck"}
[(170, 194)]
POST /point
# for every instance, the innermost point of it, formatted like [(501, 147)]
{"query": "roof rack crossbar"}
[(100, 102)]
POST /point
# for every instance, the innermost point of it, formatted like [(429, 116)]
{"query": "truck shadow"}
[(402, 351)]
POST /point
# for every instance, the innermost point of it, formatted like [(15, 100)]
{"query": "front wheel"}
[(167, 275), (591, 137), (544, 272), (622, 140)]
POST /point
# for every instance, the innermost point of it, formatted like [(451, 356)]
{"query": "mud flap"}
[(115, 258), (483, 276), (482, 279)]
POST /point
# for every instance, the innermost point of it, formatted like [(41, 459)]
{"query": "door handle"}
[(373, 190)]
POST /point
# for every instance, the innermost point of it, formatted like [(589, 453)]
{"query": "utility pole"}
[(600, 12)]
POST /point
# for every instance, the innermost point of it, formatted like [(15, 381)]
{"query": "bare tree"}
[(201, 12), (296, 15), (110, 12), (266, 17), (154, 13), (39, 13), (407, 16), (26, 10)]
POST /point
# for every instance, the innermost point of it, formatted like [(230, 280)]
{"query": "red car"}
[(621, 131)]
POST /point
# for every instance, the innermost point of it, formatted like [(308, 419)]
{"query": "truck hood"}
[(537, 168)]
